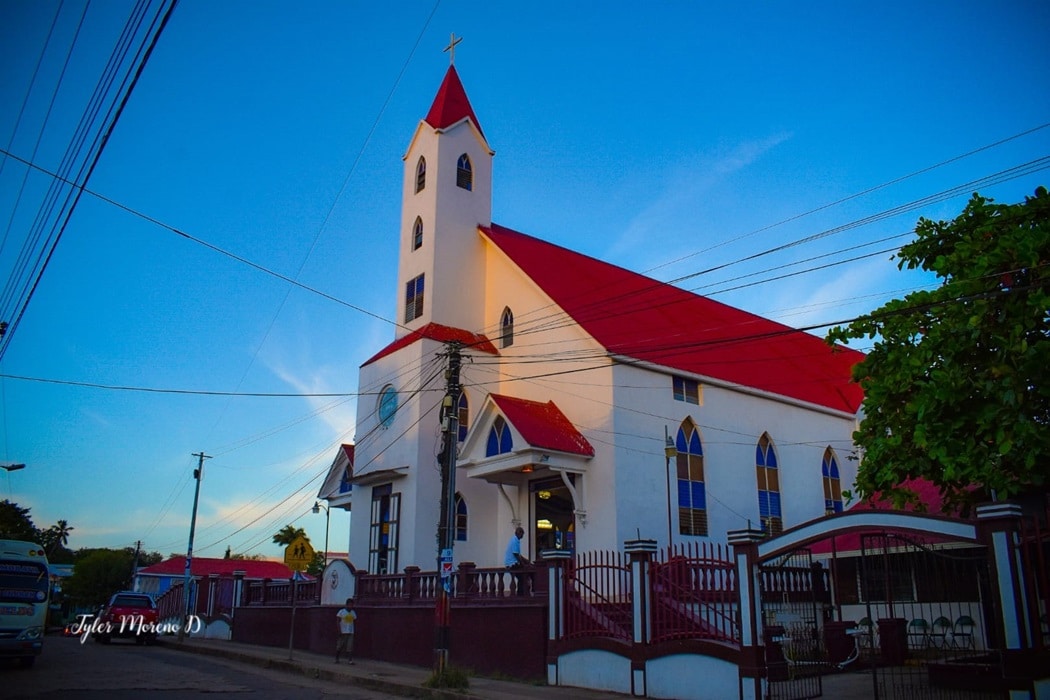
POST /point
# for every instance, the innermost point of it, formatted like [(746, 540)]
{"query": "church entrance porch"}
[(552, 518)]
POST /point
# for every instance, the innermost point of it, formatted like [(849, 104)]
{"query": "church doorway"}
[(553, 522)]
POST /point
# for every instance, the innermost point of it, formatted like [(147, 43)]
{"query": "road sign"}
[(299, 554)]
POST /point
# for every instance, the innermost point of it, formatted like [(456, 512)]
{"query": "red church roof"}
[(637, 317), (440, 333), (202, 566), (451, 103), (543, 425)]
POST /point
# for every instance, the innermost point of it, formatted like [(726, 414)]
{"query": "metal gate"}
[(794, 593), (928, 627)]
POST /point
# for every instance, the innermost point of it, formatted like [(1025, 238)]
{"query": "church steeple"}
[(451, 104), (446, 196)]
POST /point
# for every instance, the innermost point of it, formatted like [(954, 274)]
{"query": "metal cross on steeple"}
[(451, 48)]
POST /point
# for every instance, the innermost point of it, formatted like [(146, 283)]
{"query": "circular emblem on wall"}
[(335, 579)]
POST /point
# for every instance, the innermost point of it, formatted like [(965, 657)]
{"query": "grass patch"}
[(450, 677)]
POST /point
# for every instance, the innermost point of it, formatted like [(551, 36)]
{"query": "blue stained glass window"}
[(829, 469), (387, 406), (768, 486), (692, 496), (500, 441)]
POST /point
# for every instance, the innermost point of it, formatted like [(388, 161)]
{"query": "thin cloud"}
[(662, 221)]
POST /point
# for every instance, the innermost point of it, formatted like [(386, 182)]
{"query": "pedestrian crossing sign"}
[(299, 554)]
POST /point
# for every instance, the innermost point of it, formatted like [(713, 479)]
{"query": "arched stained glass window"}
[(417, 234), (829, 469), (506, 328), (421, 174), (464, 416), (500, 441), (461, 518), (768, 486), (464, 173), (692, 497)]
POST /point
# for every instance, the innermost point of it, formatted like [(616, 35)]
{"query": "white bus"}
[(24, 589)]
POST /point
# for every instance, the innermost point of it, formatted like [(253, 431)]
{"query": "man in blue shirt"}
[(513, 559)]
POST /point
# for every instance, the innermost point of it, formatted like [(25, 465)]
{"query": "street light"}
[(12, 467), (327, 519), (670, 452)]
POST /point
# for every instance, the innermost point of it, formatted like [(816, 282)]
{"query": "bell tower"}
[(446, 195)]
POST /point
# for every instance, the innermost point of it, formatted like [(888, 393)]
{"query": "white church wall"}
[(396, 446), (730, 423), (543, 331)]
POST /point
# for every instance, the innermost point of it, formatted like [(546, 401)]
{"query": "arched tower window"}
[(500, 441), (464, 415), (417, 233), (768, 487), (414, 298), (506, 328), (692, 497), (461, 518), (464, 173), (829, 469), (421, 173)]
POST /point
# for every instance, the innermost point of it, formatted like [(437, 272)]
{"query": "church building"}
[(598, 405)]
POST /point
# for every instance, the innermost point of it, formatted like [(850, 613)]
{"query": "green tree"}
[(98, 574), (55, 538), (242, 557), (15, 523), (289, 534), (316, 567), (955, 387)]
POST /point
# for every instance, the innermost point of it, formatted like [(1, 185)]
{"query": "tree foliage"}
[(288, 534), (98, 574), (955, 387), (16, 524)]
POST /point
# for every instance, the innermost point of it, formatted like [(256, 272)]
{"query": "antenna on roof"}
[(451, 48)]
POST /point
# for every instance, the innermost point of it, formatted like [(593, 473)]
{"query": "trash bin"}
[(838, 644), (893, 640)]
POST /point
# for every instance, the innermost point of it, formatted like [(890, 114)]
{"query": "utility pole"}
[(446, 533), (197, 474), (135, 564)]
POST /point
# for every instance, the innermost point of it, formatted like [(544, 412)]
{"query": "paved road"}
[(124, 671)]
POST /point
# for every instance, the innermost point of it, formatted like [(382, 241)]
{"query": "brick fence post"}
[(751, 662), (557, 573), (640, 554)]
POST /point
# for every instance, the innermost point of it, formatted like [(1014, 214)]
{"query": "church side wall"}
[(730, 424)]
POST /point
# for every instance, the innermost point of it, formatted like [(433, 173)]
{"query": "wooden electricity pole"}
[(446, 532)]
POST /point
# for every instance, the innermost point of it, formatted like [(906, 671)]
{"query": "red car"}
[(127, 615)]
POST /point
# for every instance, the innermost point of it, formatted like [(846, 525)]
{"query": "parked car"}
[(127, 615)]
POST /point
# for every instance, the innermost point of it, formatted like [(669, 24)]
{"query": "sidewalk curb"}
[(317, 672)]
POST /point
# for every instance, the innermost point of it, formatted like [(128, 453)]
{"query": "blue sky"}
[(666, 137)]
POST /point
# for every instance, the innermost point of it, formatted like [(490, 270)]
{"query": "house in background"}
[(158, 578), (598, 405)]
